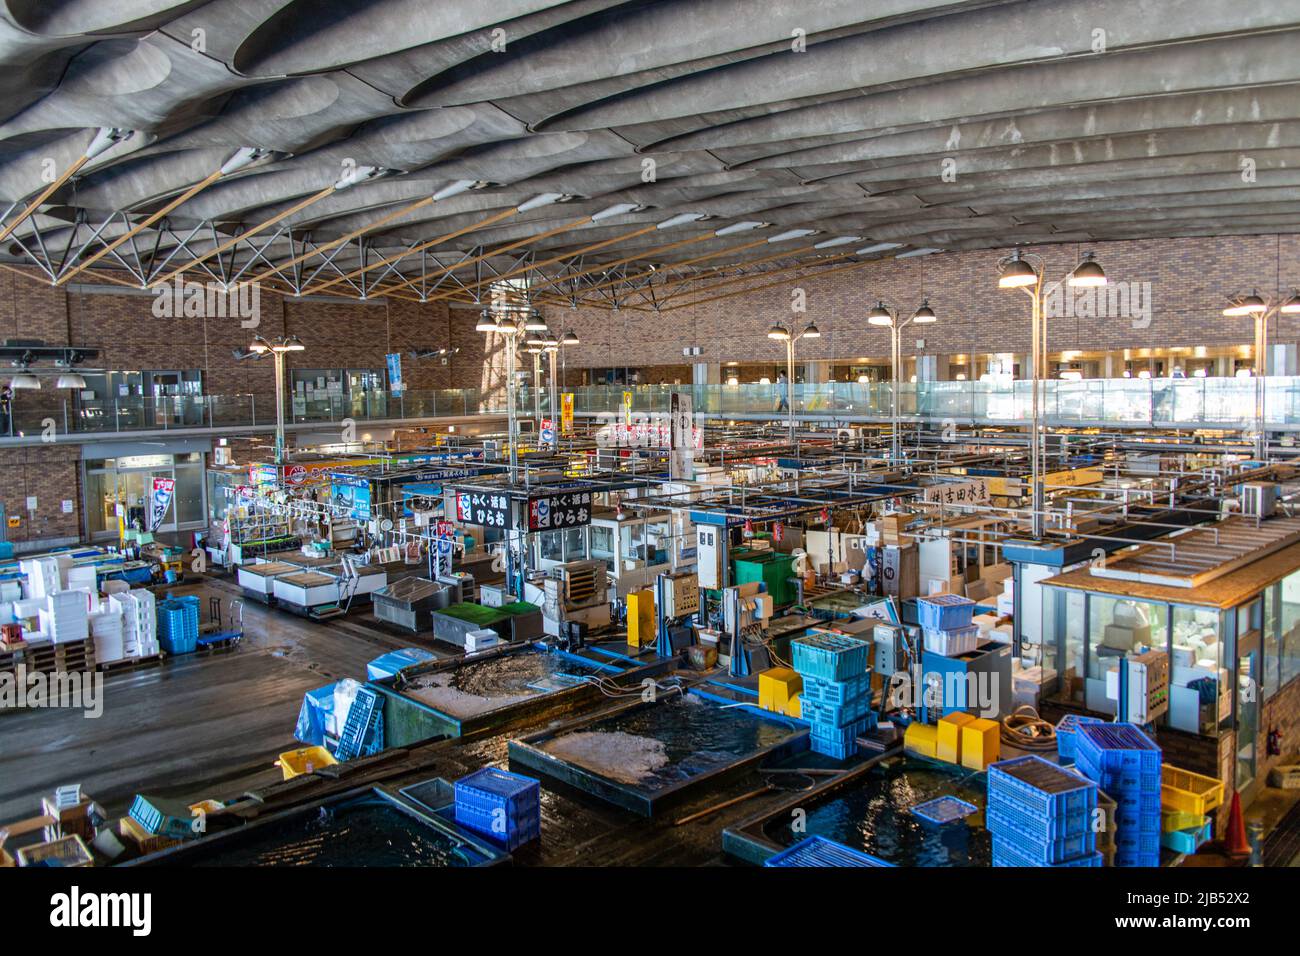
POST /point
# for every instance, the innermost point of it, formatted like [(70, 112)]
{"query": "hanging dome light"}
[(1089, 272), (534, 322), (570, 338), (924, 315), (1251, 304), (70, 380), (880, 316), (1016, 273), (24, 380), (1292, 304), (779, 332), (812, 332), (486, 322)]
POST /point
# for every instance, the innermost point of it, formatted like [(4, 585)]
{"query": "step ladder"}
[(361, 719)]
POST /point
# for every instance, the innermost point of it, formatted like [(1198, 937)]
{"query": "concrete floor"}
[(190, 726)]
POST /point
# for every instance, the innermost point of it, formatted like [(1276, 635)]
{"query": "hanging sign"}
[(566, 413), (548, 431), (627, 408), (352, 493), (562, 510), (974, 492), (395, 384), (160, 501), (483, 508), (681, 438)]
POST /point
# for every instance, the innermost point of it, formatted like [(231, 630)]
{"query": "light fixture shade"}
[(535, 338), (778, 332), (1251, 304), (812, 332), (570, 338), (1292, 305), (70, 380), (260, 345), (534, 323), (486, 323), (880, 316), (294, 344), (1088, 273), (24, 380), (1016, 273), (924, 315)]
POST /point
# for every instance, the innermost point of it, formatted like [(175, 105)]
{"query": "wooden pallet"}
[(51, 658), (130, 663)]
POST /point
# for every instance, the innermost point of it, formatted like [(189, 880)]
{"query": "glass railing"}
[(1227, 403)]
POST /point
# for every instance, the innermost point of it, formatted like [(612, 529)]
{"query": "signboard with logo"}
[(975, 492), (570, 509), (548, 431), (351, 493), (681, 440), (490, 509), (627, 408), (566, 413), (262, 476), (294, 474), (160, 501)]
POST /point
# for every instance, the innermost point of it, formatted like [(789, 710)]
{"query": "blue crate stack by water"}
[(836, 696), (1040, 815), (502, 805), (819, 851), (1125, 762), (178, 624)]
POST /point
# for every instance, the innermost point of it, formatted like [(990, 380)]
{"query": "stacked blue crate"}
[(946, 621), (819, 851), (505, 806), (1040, 815), (1065, 733), (1125, 762), (836, 695), (178, 624)]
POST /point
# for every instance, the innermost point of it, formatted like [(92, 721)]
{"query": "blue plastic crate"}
[(1138, 821), (837, 742), (1142, 844), (832, 657), (1116, 748), (1065, 733), (835, 691), (1007, 855), (944, 612), (1043, 789), (1135, 859), (1044, 829), (505, 806), (819, 851), (1126, 781), (1025, 839), (834, 715), (943, 810), (1189, 840), (153, 819)]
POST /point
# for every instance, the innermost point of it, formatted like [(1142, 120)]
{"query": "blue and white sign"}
[(353, 493), (395, 384)]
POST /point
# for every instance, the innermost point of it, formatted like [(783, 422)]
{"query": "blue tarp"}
[(317, 706), (386, 665)]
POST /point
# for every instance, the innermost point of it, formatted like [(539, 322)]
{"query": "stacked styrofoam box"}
[(106, 628), (42, 577), (85, 577), (65, 618), (139, 622)]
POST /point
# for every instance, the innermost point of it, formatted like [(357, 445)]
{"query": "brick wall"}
[(1189, 281), (51, 474)]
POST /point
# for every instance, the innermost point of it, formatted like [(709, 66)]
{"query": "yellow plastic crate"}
[(641, 618), (776, 686), (981, 743), (948, 739), (1188, 792), (295, 763), (1171, 820), (794, 707), (921, 739)]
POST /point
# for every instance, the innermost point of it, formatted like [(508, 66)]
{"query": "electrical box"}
[(709, 547), (891, 649), (681, 593), (1148, 687)]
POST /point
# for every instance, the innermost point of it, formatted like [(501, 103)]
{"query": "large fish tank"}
[(363, 828)]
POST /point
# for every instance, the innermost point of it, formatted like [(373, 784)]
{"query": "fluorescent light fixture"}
[(545, 199), (107, 138), (878, 247), (360, 174), (618, 209), (454, 189), (791, 234), (736, 227), (837, 241), (244, 156), (680, 219)]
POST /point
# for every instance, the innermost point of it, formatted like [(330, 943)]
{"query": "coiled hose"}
[(1025, 730)]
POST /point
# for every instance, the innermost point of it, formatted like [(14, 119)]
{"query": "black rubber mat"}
[(1283, 845)]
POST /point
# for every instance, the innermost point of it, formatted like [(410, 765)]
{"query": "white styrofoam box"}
[(64, 629), (106, 629), (42, 576), (28, 607), (11, 590), (84, 576), (1006, 604), (480, 640)]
